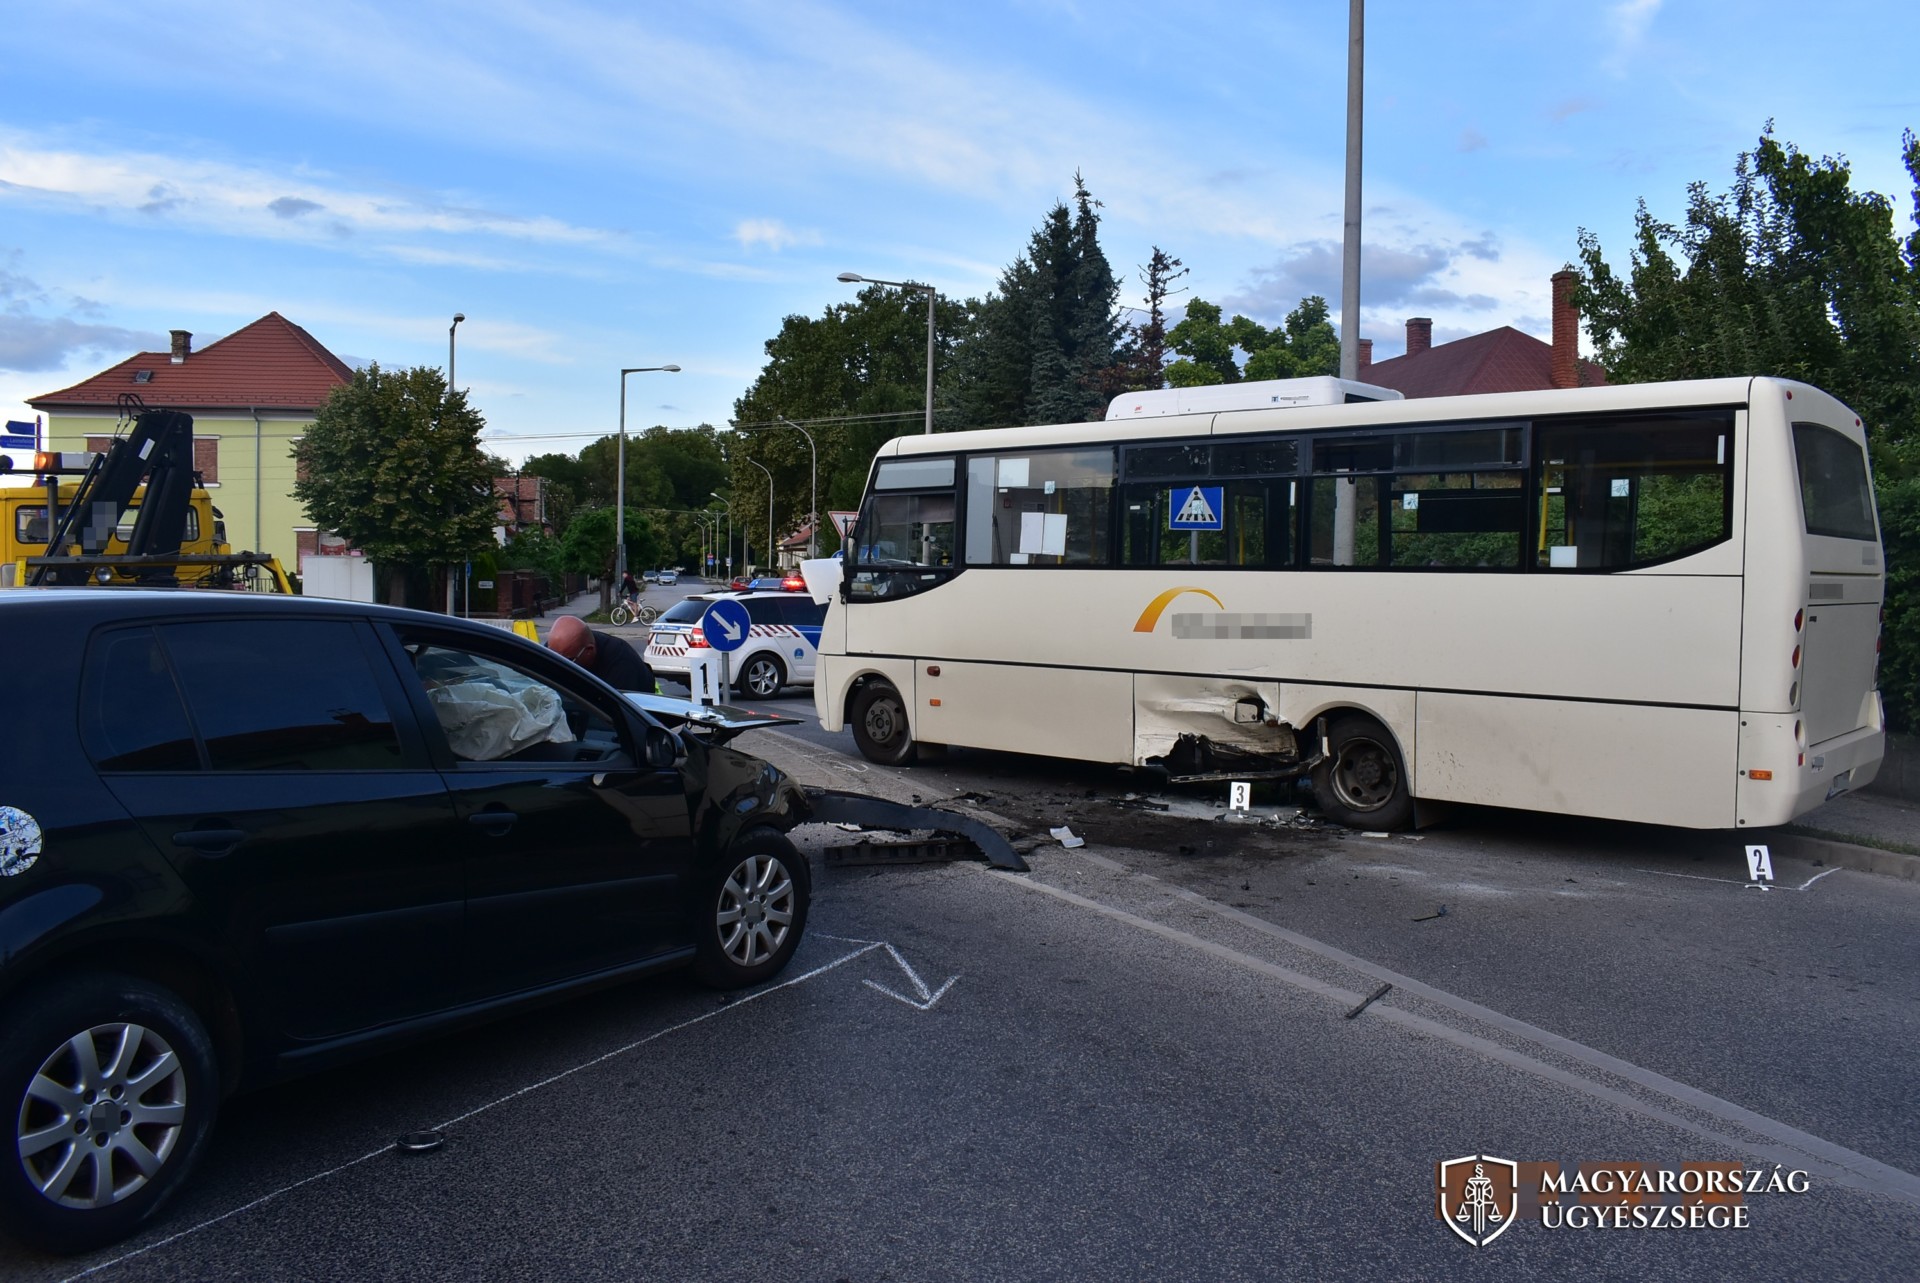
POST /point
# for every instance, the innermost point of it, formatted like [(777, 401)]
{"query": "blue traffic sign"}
[(1197, 508), (726, 625)]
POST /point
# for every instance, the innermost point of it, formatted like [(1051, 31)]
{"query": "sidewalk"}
[(1867, 830)]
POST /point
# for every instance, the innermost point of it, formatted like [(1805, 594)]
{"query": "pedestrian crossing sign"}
[(1196, 508)]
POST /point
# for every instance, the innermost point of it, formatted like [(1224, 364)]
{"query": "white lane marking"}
[(510, 1096), (1791, 1145), (1736, 882)]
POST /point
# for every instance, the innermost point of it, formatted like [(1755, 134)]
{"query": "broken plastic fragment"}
[(1067, 837)]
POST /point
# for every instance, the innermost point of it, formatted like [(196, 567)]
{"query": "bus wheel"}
[(880, 725), (1362, 783)]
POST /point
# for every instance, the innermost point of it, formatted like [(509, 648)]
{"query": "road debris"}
[(1431, 916), (1067, 837), (1369, 1000)]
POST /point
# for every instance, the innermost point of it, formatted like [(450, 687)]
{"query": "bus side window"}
[(1040, 508), (1617, 493)]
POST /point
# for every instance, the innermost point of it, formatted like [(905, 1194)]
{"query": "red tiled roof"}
[(1502, 360), (271, 364)]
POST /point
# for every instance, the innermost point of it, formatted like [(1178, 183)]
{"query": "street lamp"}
[(457, 318), (763, 468), (813, 518), (620, 480), (729, 502), (855, 278)]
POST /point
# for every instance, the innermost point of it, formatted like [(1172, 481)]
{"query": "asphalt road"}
[(1136, 1061)]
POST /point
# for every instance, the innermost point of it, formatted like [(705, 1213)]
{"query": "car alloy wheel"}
[(102, 1115), (755, 910), (762, 677)]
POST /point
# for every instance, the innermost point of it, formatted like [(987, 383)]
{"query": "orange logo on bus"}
[(1150, 617)]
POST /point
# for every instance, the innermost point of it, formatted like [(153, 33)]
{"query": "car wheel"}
[(1362, 783), (880, 725), (112, 1086), (751, 911), (763, 676)]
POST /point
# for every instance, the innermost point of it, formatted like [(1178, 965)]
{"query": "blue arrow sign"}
[(1197, 508), (726, 625)]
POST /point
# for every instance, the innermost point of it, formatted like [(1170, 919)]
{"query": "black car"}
[(243, 838)]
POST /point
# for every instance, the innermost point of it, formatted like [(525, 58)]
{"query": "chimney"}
[(182, 344), (1366, 355), (1419, 335), (1564, 364)]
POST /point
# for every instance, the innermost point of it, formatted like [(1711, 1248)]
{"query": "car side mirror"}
[(661, 749)]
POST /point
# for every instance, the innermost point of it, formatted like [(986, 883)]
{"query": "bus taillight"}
[(1799, 618), (1796, 657)]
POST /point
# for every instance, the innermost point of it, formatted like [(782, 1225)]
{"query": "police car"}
[(780, 649)]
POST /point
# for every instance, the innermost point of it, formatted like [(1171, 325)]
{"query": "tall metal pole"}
[(813, 518), (620, 468), (763, 467), (1350, 255), (930, 297), (457, 318)]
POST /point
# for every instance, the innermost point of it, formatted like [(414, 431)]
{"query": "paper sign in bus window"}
[(1043, 533), (1013, 474)]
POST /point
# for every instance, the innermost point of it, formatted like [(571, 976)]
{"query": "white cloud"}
[(1629, 21), (254, 201), (770, 233)]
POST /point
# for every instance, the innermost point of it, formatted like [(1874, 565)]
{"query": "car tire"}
[(751, 910), (1362, 782), (763, 676), (880, 725), (92, 1163)]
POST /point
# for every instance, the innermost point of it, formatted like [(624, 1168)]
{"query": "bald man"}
[(607, 657)]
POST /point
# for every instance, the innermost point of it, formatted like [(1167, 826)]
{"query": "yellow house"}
[(252, 395)]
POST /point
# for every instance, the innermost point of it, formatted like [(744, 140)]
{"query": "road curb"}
[(1850, 855)]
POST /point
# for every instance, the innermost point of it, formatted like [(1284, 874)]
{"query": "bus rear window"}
[(1834, 496)]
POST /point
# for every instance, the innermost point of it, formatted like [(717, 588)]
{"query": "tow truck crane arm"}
[(158, 452)]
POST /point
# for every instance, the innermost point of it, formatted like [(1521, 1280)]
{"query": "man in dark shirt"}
[(611, 659)]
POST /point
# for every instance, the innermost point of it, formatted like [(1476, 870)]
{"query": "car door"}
[(578, 850), (265, 758)]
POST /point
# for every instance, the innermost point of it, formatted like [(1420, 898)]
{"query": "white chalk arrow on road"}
[(927, 996)]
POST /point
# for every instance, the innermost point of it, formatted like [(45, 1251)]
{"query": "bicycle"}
[(632, 612)]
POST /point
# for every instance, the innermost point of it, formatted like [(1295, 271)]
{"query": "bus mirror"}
[(823, 578)]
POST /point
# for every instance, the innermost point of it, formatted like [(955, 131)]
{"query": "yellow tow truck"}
[(135, 514)]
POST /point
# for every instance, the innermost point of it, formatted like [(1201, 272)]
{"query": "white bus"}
[(1654, 602)]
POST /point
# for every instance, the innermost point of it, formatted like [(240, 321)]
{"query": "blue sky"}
[(597, 185)]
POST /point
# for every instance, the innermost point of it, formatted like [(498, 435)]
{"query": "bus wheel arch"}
[(1363, 782), (877, 713)]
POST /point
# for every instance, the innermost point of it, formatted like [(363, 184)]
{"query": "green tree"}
[(1044, 347), (588, 549), (1789, 272), (1302, 346), (854, 377), (1141, 362), (394, 464)]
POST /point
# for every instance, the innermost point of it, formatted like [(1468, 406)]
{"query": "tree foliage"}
[(1301, 346), (394, 464), (1044, 347), (587, 548), (1789, 272)]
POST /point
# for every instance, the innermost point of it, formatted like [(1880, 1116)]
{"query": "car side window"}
[(763, 610), (803, 612), (131, 715), (283, 695), (494, 710)]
